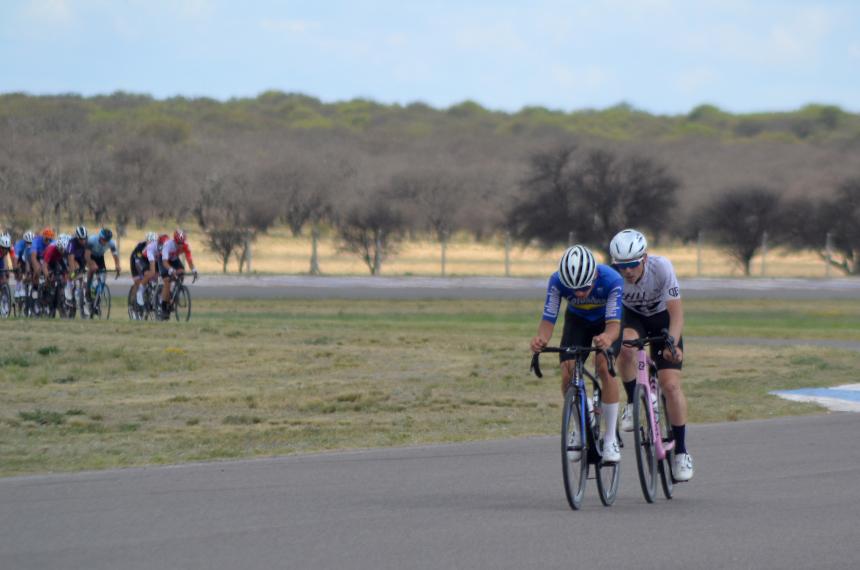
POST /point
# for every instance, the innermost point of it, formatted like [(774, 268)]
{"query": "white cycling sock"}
[(610, 413), (140, 295), (68, 291)]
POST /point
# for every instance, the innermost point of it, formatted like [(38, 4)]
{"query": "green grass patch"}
[(268, 377)]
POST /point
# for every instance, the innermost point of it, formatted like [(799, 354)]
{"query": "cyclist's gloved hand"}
[(194, 273)]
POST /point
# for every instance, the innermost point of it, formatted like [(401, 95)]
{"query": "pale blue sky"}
[(664, 56)]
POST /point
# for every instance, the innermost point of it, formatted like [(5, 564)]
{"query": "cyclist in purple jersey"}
[(652, 303), (593, 315)]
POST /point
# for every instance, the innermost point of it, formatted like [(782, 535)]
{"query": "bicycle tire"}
[(7, 307), (646, 463), (667, 479), (182, 303), (104, 302), (574, 471), (608, 476), (133, 314)]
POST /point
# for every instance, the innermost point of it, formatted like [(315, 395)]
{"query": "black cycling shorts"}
[(580, 332), (99, 261), (653, 326), (174, 263), (139, 266)]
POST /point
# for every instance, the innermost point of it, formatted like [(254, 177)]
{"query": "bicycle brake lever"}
[(535, 366)]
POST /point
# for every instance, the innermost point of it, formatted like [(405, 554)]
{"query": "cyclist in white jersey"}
[(652, 302)]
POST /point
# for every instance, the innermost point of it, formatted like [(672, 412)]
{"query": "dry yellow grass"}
[(280, 252)]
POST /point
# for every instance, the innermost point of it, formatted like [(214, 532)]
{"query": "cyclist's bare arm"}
[(609, 335), (676, 327), (544, 334)]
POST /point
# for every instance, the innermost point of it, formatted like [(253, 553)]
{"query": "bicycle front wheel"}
[(182, 304), (574, 453), (104, 303), (666, 478), (608, 478), (643, 438)]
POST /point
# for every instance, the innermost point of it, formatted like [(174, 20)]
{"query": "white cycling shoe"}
[(611, 453), (627, 418), (682, 467)]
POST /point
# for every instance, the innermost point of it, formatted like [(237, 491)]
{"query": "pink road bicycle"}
[(652, 430)]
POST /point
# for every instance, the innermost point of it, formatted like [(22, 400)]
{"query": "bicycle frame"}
[(645, 378)]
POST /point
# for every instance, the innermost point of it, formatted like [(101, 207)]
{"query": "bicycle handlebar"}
[(665, 338), (574, 350)]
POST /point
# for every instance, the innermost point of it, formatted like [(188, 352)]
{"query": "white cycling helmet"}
[(81, 232), (628, 245), (28, 237), (63, 242), (151, 237), (5, 241), (577, 268)]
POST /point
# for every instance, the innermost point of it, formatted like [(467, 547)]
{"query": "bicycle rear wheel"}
[(6, 306), (182, 304), (574, 453), (608, 477), (643, 440), (667, 480)]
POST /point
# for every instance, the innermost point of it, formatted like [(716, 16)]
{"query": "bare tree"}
[(434, 197), (371, 227), (594, 197), (739, 219)]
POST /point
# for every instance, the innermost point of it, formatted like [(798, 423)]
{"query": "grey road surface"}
[(781, 493), (306, 287)]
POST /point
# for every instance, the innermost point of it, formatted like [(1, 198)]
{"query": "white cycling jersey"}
[(151, 252), (657, 285)]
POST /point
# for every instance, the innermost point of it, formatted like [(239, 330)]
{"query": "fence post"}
[(699, 254), (444, 250), (507, 254), (828, 252), (763, 253), (315, 261)]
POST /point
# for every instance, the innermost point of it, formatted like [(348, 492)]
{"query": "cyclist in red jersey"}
[(171, 249)]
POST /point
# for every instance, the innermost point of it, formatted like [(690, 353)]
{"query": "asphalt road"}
[(306, 287), (781, 493)]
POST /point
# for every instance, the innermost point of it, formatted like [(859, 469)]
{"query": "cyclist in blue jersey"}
[(593, 315), (37, 251), (22, 272)]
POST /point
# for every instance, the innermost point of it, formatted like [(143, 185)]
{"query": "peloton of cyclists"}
[(593, 315), (652, 302)]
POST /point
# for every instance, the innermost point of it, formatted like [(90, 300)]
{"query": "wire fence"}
[(278, 252)]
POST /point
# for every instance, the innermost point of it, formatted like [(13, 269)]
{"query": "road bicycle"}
[(98, 303), (180, 298), (7, 304), (652, 429), (581, 444), (151, 303)]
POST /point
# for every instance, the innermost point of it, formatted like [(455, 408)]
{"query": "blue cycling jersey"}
[(39, 246), (602, 303), (21, 249), (98, 249)]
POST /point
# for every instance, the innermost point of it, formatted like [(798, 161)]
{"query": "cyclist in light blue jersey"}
[(593, 315), (97, 246)]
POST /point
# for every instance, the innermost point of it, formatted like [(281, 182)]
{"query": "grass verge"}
[(257, 378)]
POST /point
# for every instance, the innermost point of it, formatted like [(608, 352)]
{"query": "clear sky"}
[(663, 56)]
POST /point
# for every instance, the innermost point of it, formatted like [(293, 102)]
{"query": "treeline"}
[(378, 172)]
